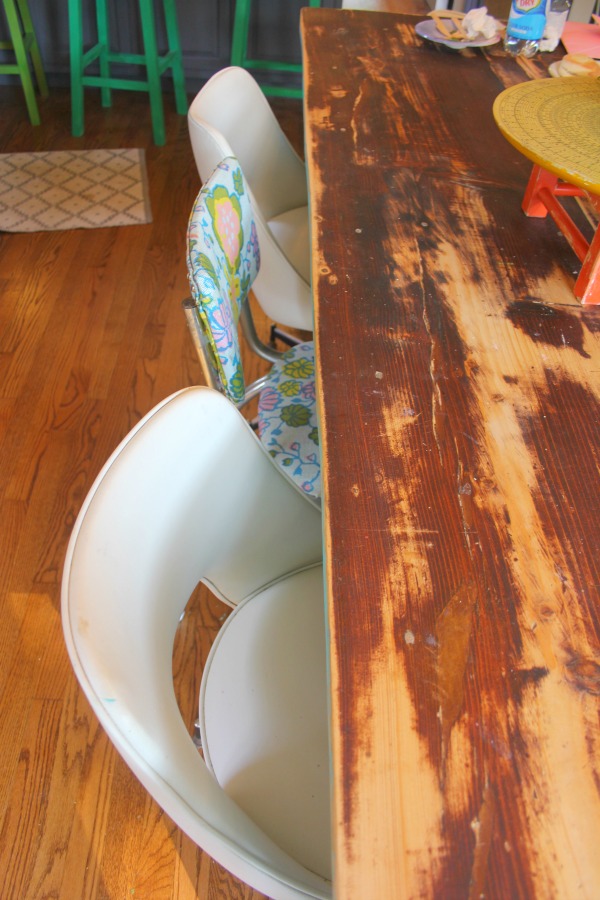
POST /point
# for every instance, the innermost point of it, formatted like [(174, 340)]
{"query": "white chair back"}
[(189, 495), (231, 116)]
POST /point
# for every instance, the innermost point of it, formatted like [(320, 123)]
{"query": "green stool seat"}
[(24, 45), (239, 50), (154, 64)]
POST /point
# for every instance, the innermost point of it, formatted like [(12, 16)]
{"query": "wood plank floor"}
[(91, 337)]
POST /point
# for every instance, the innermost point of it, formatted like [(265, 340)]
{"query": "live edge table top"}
[(459, 395)]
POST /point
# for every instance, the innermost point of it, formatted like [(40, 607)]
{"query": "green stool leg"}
[(104, 50), (239, 40), (181, 100), (34, 49), (18, 45), (76, 51), (101, 53), (153, 71), (239, 51)]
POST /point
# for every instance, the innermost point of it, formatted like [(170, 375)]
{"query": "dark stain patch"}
[(565, 493), (547, 324), (591, 318), (510, 379), (477, 277), (522, 678), (583, 674)]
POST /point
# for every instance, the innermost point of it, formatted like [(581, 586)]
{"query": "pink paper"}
[(578, 37)]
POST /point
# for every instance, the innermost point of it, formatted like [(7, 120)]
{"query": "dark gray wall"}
[(205, 28)]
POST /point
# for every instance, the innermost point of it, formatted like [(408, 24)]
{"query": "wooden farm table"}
[(459, 391)]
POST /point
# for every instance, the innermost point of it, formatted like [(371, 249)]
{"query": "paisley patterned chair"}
[(223, 259)]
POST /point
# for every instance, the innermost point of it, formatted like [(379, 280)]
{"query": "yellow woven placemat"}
[(555, 122)]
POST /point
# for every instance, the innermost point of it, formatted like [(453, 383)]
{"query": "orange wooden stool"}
[(541, 197), (556, 124)]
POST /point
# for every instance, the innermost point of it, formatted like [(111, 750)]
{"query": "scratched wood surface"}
[(460, 410)]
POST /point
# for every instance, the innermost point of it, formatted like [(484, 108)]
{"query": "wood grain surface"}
[(460, 411)]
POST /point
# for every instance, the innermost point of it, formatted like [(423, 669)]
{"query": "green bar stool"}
[(24, 45), (154, 64), (239, 50)]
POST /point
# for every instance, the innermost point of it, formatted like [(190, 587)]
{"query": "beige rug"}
[(66, 189)]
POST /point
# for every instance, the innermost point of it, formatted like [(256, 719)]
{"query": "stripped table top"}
[(459, 394)]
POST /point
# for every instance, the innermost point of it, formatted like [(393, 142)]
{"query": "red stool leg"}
[(532, 205), (587, 286), (539, 200), (565, 223)]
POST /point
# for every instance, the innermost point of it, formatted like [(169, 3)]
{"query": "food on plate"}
[(574, 64), (458, 26)]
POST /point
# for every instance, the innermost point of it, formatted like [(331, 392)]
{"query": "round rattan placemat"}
[(555, 122)]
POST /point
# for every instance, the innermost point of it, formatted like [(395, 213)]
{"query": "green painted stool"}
[(239, 49), (154, 64), (24, 45)]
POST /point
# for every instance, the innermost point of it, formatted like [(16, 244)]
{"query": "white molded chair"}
[(223, 259), (232, 117), (189, 496)]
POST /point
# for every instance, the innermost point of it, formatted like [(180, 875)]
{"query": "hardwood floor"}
[(91, 337)]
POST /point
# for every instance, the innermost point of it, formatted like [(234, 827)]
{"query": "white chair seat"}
[(290, 230), (288, 424), (264, 728)]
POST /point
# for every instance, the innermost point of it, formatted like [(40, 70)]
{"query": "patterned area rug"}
[(66, 189)]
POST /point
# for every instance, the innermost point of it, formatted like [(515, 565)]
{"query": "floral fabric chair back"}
[(223, 260)]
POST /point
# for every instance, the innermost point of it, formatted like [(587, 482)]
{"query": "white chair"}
[(223, 260), (189, 496), (232, 117)]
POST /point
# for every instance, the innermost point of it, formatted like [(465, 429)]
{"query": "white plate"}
[(427, 29)]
